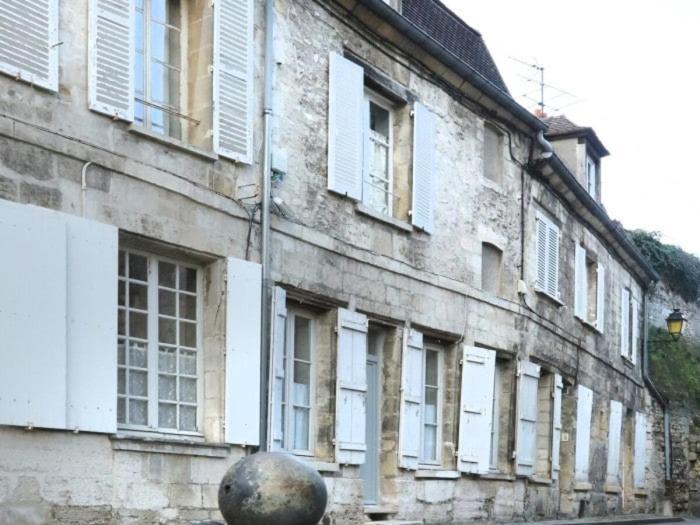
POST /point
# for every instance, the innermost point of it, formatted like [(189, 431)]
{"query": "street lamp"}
[(675, 322)]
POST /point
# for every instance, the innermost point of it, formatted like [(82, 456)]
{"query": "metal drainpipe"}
[(266, 292)]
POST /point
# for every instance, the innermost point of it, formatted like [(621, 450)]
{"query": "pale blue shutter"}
[(541, 253), (614, 439), (351, 387), (584, 408), (476, 409), (600, 299), (581, 284), (411, 396), (634, 348), (556, 425), (243, 325), (625, 323), (526, 432), (553, 260), (640, 449), (345, 127), (424, 167), (279, 333)]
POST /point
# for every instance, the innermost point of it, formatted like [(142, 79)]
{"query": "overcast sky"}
[(635, 68)]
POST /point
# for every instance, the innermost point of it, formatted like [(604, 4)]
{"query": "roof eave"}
[(588, 133)]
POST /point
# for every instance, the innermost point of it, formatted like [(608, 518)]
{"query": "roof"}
[(560, 127), (438, 22)]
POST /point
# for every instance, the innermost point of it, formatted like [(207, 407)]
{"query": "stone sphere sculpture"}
[(272, 488)]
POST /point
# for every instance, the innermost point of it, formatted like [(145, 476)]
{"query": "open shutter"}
[(424, 167), (581, 288), (233, 79), (243, 300), (111, 49), (640, 449), (600, 299), (352, 387), (345, 126), (526, 436), (556, 425), (476, 412), (411, 395), (553, 260), (279, 324), (92, 254), (625, 323), (28, 41), (614, 438), (634, 349), (583, 432), (541, 254)]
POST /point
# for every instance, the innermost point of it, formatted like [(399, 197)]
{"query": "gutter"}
[(409, 30)]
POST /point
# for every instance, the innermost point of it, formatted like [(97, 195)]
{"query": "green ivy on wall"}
[(675, 366)]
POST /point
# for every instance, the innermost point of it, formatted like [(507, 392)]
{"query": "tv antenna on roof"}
[(542, 88)]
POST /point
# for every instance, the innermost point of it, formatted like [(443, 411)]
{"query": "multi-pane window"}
[(158, 343), (377, 185), (547, 256), (431, 405), (591, 176), (158, 66)]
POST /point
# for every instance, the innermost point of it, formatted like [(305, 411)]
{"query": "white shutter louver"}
[(584, 408), (526, 434), (351, 387), (600, 299), (640, 449), (634, 348), (29, 41), (581, 284), (541, 254), (476, 409), (556, 425), (233, 79), (411, 396), (424, 165), (111, 58), (625, 323), (614, 438), (279, 322), (547, 256), (345, 127), (243, 325)]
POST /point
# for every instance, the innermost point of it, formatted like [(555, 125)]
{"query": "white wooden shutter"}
[(600, 299), (476, 409), (625, 323), (541, 254), (556, 425), (634, 349), (526, 434), (424, 167), (233, 79), (29, 41), (351, 387), (279, 324), (345, 126), (640, 449), (111, 50), (411, 396), (581, 284), (92, 253), (614, 439), (584, 408), (553, 260), (243, 300)]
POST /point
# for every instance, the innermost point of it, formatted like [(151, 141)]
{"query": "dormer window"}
[(592, 176)]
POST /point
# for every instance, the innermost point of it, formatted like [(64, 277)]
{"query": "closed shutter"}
[(424, 167), (526, 435), (556, 425), (233, 79), (345, 127), (351, 388), (581, 289), (111, 58), (279, 334), (476, 409), (625, 323), (584, 410), (634, 349), (243, 300), (553, 261), (411, 395), (640, 450), (600, 299), (541, 254), (29, 41), (614, 437), (91, 333)]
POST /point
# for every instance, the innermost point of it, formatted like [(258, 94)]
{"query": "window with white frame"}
[(432, 395), (589, 292), (547, 252), (158, 343), (377, 185), (591, 176)]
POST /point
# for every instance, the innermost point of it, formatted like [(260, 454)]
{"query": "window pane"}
[(157, 120), (138, 76), (379, 120), (188, 306), (165, 85), (301, 384), (121, 294), (430, 443), (121, 381), (137, 355), (188, 362), (167, 11), (138, 267), (139, 113), (121, 410), (122, 263), (138, 411), (188, 334), (302, 335), (188, 390), (301, 428), (188, 418), (165, 44), (167, 388), (138, 385), (166, 360), (167, 415), (430, 409), (188, 279), (121, 355), (166, 274), (138, 24), (166, 302), (138, 325), (138, 296), (166, 330), (121, 328), (431, 367)]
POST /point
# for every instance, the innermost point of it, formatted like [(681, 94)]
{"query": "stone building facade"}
[(456, 328)]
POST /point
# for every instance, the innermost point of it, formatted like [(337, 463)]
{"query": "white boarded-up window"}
[(614, 443), (547, 256), (640, 449), (584, 412)]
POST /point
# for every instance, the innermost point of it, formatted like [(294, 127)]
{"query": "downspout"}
[(266, 292)]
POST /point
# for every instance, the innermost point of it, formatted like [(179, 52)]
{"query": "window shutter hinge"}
[(211, 66)]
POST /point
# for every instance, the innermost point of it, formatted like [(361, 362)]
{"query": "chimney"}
[(539, 113)]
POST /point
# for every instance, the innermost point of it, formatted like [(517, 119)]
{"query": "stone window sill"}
[(497, 476), (549, 297), (582, 486), (612, 489), (589, 325), (162, 445), (429, 473), (391, 221), (540, 481), (640, 493), (319, 466), (174, 143), (627, 362)]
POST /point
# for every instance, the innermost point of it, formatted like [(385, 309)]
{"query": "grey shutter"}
[(614, 439), (28, 41), (640, 449), (351, 387), (279, 333), (526, 434), (233, 79), (541, 254), (553, 260), (345, 127), (424, 167), (556, 425), (476, 409), (411, 397), (625, 323), (584, 408), (581, 284), (243, 325), (111, 58), (600, 299)]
